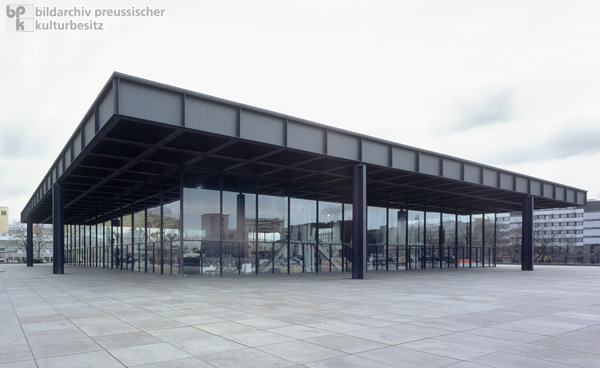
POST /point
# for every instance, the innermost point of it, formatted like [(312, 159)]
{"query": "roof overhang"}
[(140, 136)]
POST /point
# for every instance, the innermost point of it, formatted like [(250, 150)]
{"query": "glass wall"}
[(347, 237), (416, 227), (201, 231), (477, 240), (376, 238), (489, 240), (449, 239), (303, 232), (233, 232), (154, 218), (171, 238), (463, 222), (273, 229), (127, 242), (228, 232), (140, 261), (249, 234), (330, 236), (432, 239), (397, 220)]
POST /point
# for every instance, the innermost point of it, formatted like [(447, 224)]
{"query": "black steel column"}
[(342, 237), (29, 250), (181, 220), (221, 225), (133, 234), (441, 236), (387, 236), (424, 259), (146, 232), (317, 243), (359, 228), (470, 237), (161, 230), (256, 258), (527, 248), (241, 229), (289, 230), (495, 235), (58, 229), (456, 240)]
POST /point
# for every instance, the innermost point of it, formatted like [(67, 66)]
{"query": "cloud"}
[(485, 109), (574, 139)]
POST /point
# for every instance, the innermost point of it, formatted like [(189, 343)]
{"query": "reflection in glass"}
[(397, 223), (201, 229), (416, 227), (477, 230), (330, 236), (272, 234), (449, 238), (154, 239), (463, 240), (489, 240), (376, 238), (171, 226), (489, 221), (347, 237), (432, 235), (139, 238), (449, 229), (303, 223)]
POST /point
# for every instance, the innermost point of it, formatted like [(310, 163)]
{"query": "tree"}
[(20, 230), (41, 236)]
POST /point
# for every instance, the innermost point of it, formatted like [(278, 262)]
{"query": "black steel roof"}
[(139, 136)]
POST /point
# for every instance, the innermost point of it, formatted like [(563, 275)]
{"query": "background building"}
[(561, 235), (3, 220)]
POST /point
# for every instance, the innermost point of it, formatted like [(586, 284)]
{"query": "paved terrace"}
[(485, 317)]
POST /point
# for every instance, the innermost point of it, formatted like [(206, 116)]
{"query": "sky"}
[(511, 84)]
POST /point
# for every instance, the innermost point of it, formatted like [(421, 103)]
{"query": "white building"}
[(3, 220), (562, 235)]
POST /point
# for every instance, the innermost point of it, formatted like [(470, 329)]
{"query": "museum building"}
[(165, 180)]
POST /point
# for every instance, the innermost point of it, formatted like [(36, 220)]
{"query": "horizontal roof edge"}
[(152, 84)]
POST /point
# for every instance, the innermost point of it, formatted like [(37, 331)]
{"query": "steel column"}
[(359, 228), (241, 229), (470, 238), (58, 229), (527, 244), (29, 250), (161, 230), (181, 219)]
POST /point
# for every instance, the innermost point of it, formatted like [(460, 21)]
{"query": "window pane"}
[(330, 236), (415, 227), (303, 222), (433, 228)]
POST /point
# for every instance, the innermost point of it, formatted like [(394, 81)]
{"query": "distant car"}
[(1, 259)]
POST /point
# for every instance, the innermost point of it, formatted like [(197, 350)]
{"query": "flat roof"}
[(139, 136)]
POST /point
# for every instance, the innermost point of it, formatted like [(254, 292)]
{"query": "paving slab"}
[(462, 318)]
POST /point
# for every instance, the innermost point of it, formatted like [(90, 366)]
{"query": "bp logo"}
[(22, 15)]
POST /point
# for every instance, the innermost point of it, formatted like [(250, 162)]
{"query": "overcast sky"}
[(513, 84)]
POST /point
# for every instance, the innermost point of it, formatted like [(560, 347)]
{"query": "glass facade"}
[(212, 230)]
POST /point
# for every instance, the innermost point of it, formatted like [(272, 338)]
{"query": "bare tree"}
[(41, 238), (20, 230)]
